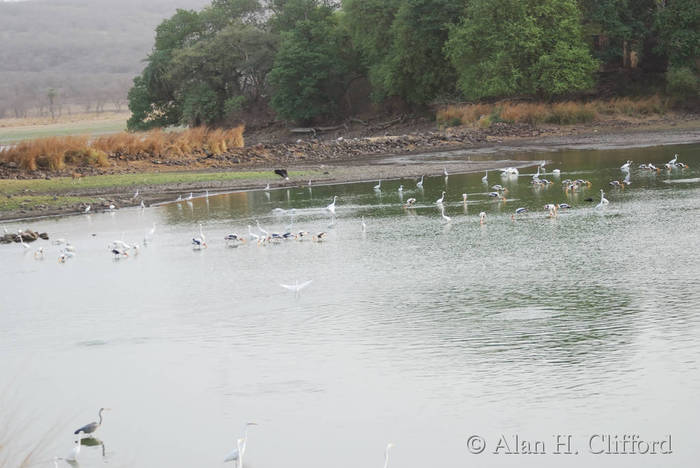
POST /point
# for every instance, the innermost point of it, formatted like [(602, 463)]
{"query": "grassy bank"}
[(562, 113), (60, 185)]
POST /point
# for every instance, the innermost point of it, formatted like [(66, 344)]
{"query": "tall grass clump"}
[(53, 153), (563, 113)]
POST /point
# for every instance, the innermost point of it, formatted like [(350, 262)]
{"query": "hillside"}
[(87, 50)]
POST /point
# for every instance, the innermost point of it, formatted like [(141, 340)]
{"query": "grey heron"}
[(93, 426)]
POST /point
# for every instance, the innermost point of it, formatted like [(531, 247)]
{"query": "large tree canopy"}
[(300, 56), (518, 47)]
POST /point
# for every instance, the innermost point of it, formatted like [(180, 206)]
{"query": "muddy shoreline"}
[(400, 163)]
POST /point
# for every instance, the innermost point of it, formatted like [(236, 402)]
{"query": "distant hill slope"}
[(87, 50)]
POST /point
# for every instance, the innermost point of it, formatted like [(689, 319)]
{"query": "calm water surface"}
[(420, 332)]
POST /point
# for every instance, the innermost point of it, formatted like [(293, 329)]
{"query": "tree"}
[(201, 61), (311, 68), (626, 24), (401, 42), (51, 95), (511, 47), (678, 26)]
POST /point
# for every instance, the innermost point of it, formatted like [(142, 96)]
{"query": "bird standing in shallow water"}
[(603, 201), (331, 207), (237, 453), (93, 426), (441, 199)]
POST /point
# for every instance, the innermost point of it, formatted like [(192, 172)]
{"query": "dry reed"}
[(54, 153), (568, 112)]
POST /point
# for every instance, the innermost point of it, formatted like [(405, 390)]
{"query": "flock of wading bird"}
[(86, 434), (261, 236)]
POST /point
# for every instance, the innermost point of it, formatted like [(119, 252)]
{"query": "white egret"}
[(142, 205), (21, 241), (444, 172), (206, 193), (603, 200), (296, 287), (237, 453), (331, 207), (482, 217), (464, 197), (364, 226), (112, 207), (252, 235), (378, 186), (73, 455), (87, 209), (672, 162), (179, 198), (556, 172), (626, 166), (443, 215), (420, 183), (400, 188), (190, 197), (485, 179), (386, 454), (136, 195), (441, 199), (267, 187)]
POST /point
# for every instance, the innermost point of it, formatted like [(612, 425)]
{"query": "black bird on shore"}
[(282, 173)]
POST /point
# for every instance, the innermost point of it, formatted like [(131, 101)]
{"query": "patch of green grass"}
[(97, 127), (23, 202), (67, 184)]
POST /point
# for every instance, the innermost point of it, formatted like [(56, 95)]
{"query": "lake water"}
[(420, 332)]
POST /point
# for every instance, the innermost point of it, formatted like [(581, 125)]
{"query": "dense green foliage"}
[(300, 57), (510, 47)]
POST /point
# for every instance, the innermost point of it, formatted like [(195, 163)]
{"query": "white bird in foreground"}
[(482, 217), (21, 241), (441, 199), (364, 226), (237, 453), (73, 455), (603, 201), (442, 213), (386, 454), (626, 166), (297, 287), (331, 207)]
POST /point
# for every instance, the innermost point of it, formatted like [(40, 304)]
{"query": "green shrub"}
[(682, 83)]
